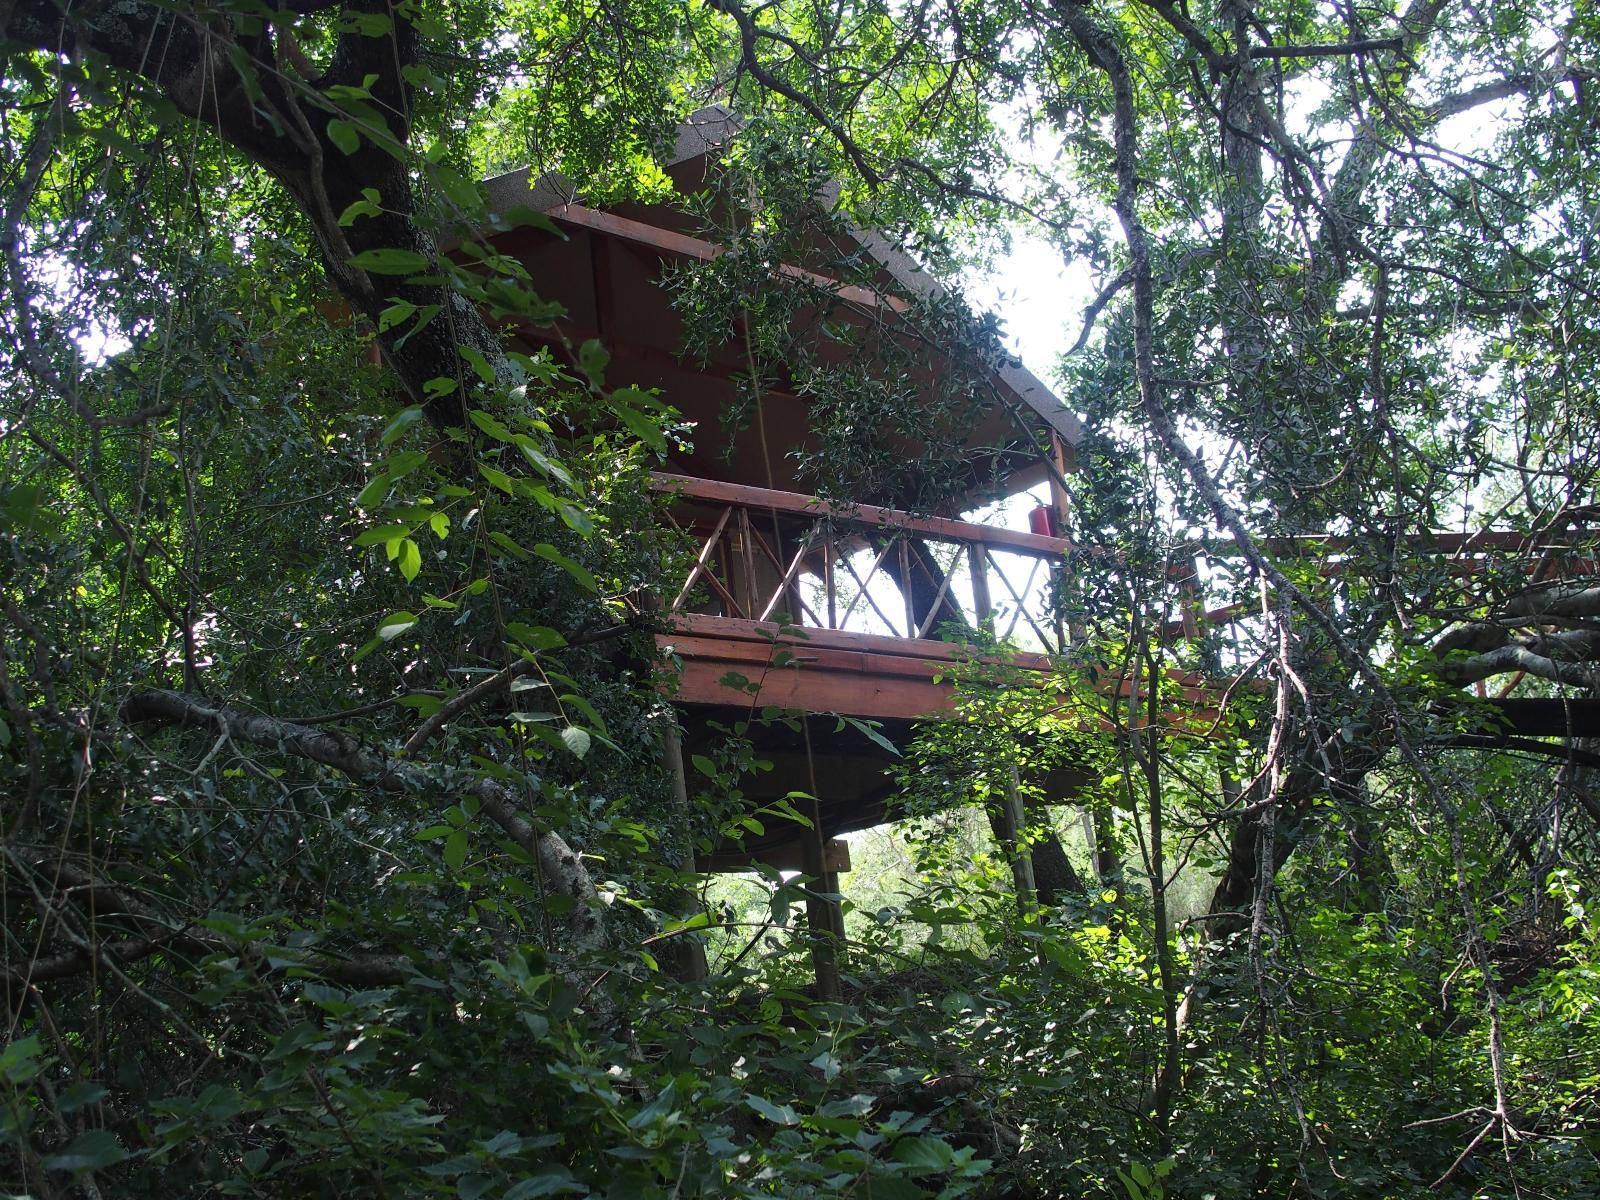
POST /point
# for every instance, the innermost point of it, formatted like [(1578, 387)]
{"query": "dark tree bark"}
[(1053, 873), (244, 81)]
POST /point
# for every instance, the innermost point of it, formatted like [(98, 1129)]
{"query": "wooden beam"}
[(855, 694), (687, 953), (1012, 828), (824, 917), (788, 856), (668, 241), (716, 492), (805, 642)]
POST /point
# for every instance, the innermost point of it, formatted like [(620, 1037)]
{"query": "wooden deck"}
[(796, 603), (860, 590), (730, 661)]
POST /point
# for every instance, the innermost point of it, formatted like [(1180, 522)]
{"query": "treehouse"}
[(859, 604)]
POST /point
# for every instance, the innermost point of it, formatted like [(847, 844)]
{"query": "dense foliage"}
[(339, 841)]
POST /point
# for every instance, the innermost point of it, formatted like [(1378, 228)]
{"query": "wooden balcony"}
[(862, 611), (859, 610)]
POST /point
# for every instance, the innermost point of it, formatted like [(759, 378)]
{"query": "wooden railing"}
[(780, 556), (783, 557)]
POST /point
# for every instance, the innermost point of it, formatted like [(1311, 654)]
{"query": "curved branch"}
[(1092, 313), (749, 32), (561, 866), (1557, 663)]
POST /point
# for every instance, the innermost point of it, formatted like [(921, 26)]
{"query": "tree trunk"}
[(249, 88)]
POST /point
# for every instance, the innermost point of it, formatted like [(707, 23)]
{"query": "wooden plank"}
[(854, 694), (770, 633), (669, 242), (731, 640), (748, 657), (717, 492)]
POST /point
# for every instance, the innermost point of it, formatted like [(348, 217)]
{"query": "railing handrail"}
[(944, 528)]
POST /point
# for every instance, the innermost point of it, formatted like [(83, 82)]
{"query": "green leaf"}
[(543, 463), (478, 363), (390, 262), (525, 216), (400, 422), (509, 546), (577, 519), (410, 559), (576, 738), (374, 493), (380, 534), (395, 624), (395, 314), (367, 206), (546, 1181), (593, 359), (488, 424), (629, 404), (402, 463), (498, 478), (869, 729), (20, 1060), (573, 568), (924, 1153), (81, 1094), (455, 849), (91, 1150), (535, 637), (778, 1114), (375, 25), (344, 135)]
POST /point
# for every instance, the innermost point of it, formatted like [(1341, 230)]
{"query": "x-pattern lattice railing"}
[(764, 554), (767, 555)]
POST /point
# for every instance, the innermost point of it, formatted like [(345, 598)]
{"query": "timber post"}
[(688, 957), (824, 917), (1013, 837)]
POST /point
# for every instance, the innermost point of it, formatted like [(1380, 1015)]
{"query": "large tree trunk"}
[(248, 85)]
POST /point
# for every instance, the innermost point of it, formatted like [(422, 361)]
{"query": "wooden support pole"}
[(824, 918), (687, 960), (1012, 825), (978, 558), (687, 956), (1065, 461)]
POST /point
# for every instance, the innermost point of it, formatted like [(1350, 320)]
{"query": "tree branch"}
[(749, 32), (1092, 313), (1327, 49), (560, 865)]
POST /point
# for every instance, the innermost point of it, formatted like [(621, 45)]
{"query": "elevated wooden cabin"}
[(819, 607)]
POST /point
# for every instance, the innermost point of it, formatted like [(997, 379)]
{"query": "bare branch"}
[(561, 866), (1327, 49), (1092, 313), (1503, 89), (749, 33)]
